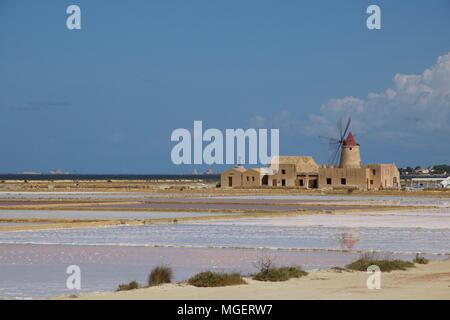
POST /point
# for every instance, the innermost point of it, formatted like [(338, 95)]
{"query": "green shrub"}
[(128, 286), (160, 275), (216, 279), (420, 260), (339, 269), (279, 274), (385, 264)]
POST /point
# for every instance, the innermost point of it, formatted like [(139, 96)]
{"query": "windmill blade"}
[(333, 145), (347, 126), (332, 142), (340, 128), (329, 138), (335, 155)]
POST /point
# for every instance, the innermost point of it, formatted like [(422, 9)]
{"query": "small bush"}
[(160, 275), (128, 286), (385, 264), (216, 279), (279, 274), (339, 269), (420, 260), (268, 272), (264, 263)]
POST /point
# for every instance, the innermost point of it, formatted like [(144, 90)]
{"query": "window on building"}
[(301, 183), (283, 171), (374, 172), (283, 182), (248, 178), (343, 181), (253, 178), (328, 180), (371, 181)]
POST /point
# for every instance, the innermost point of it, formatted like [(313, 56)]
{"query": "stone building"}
[(303, 172), (293, 171), (254, 177), (352, 174), (232, 177)]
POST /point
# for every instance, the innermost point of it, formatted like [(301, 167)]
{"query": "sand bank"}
[(431, 281)]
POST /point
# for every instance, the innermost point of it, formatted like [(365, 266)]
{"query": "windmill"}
[(335, 144)]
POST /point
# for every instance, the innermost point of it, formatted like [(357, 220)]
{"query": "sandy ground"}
[(431, 281), (185, 187)]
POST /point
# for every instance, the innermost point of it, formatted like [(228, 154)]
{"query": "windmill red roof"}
[(350, 140)]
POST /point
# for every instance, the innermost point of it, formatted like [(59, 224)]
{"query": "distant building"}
[(232, 177), (429, 182), (352, 174), (304, 172), (423, 170), (293, 171)]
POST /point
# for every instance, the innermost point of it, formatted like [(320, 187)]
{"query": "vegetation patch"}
[(128, 286), (160, 275), (216, 279), (385, 264), (268, 271), (280, 274), (420, 259), (339, 269)]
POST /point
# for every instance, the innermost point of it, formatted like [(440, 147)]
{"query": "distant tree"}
[(441, 169)]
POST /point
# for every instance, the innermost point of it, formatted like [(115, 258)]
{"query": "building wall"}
[(343, 177), (372, 177), (350, 157), (307, 181), (286, 173), (236, 178), (252, 179), (384, 176)]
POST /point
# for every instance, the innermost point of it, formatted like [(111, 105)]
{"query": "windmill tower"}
[(344, 149), (350, 156)]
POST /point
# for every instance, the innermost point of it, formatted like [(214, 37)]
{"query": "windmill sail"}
[(335, 144)]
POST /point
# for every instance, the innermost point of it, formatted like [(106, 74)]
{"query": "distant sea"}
[(208, 177)]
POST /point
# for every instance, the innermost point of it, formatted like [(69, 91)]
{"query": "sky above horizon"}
[(106, 98)]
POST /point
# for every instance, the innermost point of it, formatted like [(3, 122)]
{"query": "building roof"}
[(240, 169), (259, 169), (302, 163), (350, 140)]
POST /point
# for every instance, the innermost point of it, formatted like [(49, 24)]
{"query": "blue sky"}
[(106, 98)]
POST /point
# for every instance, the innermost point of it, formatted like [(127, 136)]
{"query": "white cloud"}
[(415, 105), (257, 121)]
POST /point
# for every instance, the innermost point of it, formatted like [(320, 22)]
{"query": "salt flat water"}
[(261, 233), (351, 199), (33, 263), (98, 215), (40, 270)]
